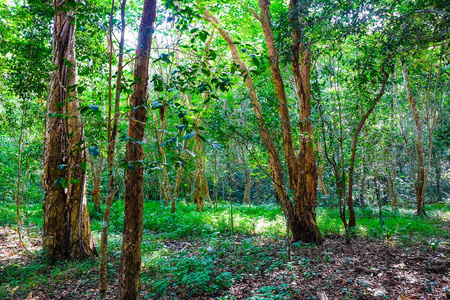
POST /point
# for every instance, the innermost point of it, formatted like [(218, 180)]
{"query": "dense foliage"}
[(379, 115)]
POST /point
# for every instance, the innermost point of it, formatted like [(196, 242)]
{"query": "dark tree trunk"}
[(130, 261)]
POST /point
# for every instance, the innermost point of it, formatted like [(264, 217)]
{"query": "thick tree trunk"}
[(130, 261), (303, 176), (420, 184), (67, 232), (302, 224)]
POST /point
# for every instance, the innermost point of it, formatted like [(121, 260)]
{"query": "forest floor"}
[(239, 265)]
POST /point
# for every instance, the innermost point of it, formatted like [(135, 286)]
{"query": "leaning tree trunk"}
[(420, 179), (352, 218), (67, 232), (130, 260)]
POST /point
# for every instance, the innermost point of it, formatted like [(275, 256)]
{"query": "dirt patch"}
[(366, 269)]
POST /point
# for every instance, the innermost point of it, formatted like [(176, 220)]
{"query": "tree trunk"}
[(301, 218), (19, 191), (377, 194), (321, 168), (247, 176), (352, 218), (130, 261), (206, 187), (160, 129), (420, 177), (437, 161), (67, 232), (96, 173), (199, 183), (111, 150)]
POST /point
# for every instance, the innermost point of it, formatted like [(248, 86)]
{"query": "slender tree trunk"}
[(199, 182), (67, 230), (321, 168), (215, 179), (247, 176), (19, 181), (377, 194), (159, 132), (96, 173), (393, 154), (437, 162), (420, 177), (111, 150), (362, 184), (130, 260), (352, 218)]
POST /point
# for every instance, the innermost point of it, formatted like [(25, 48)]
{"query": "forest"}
[(171, 149)]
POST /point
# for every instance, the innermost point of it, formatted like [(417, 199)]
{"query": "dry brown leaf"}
[(407, 298)]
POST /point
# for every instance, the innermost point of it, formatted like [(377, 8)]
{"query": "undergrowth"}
[(204, 253)]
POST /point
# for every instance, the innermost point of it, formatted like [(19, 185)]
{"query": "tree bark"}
[(67, 232), (96, 173), (437, 161), (420, 177), (321, 168), (130, 261), (199, 182), (247, 177), (111, 150)]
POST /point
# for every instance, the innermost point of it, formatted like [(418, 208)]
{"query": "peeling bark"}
[(67, 232)]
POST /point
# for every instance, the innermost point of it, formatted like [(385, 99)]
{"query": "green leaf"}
[(94, 151), (189, 136), (64, 183)]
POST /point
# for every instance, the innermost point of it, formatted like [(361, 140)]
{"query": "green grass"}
[(263, 220), (200, 253)]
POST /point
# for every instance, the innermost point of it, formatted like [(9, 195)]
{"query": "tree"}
[(299, 212), (67, 232), (111, 150), (130, 260)]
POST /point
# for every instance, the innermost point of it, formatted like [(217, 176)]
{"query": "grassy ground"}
[(190, 253)]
